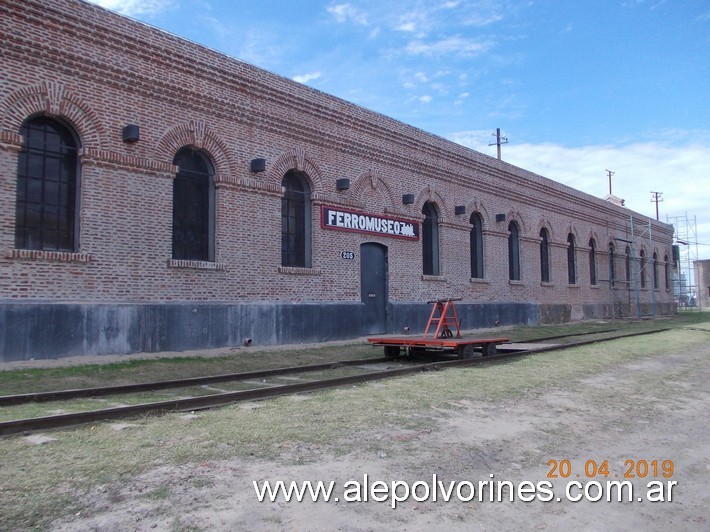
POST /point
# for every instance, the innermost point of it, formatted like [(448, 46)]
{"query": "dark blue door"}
[(373, 286)]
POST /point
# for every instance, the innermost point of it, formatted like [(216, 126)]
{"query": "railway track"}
[(219, 399), (37, 397)]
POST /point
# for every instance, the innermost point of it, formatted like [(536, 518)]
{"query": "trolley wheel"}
[(417, 352), (468, 352), (489, 350), (392, 351)]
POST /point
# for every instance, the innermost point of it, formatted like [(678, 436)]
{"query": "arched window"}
[(612, 269), (193, 206), (295, 221), (628, 266), (430, 239), (47, 191), (476, 246), (571, 266), (642, 268), (544, 256), (513, 252), (592, 262), (665, 272), (655, 271)]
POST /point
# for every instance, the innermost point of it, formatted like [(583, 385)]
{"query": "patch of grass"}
[(158, 494), (202, 482), (179, 526), (145, 370)]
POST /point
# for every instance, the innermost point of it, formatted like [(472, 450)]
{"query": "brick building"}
[(158, 195)]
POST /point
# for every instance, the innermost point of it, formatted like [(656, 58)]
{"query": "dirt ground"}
[(653, 408)]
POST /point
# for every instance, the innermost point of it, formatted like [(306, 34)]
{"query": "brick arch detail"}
[(296, 159), (429, 193), (376, 182), (56, 101), (198, 134), (474, 206), (544, 223), (514, 216), (593, 235), (571, 229)]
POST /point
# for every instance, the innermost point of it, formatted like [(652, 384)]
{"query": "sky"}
[(578, 88)]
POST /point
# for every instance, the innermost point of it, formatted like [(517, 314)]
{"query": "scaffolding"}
[(634, 238), (685, 253)]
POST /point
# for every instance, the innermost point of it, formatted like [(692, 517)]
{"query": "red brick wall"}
[(99, 71)]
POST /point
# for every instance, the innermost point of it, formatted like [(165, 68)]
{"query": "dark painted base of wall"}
[(603, 311), (56, 330), (471, 315), (59, 330)]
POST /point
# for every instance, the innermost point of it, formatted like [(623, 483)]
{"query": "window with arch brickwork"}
[(571, 266), (476, 246), (193, 206), (295, 220), (47, 176), (544, 256), (513, 252), (430, 239)]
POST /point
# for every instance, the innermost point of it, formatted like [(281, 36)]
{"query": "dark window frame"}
[(544, 256), (194, 197), (655, 271), (476, 245), (642, 268), (48, 186), (295, 220), (612, 265), (430, 239), (514, 273), (571, 260), (592, 262)]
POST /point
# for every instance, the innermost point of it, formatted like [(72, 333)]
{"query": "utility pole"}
[(609, 173), (656, 198), (499, 140)]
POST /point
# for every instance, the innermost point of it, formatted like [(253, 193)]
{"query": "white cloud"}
[(421, 77), (133, 8), (425, 99), (407, 27), (461, 97), (680, 171), (450, 46), (305, 78), (346, 12), (479, 19)]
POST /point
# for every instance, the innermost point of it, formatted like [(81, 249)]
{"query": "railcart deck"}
[(442, 318), (463, 347)]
